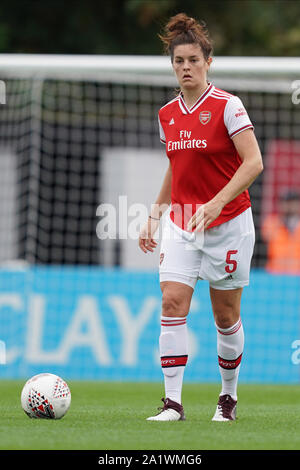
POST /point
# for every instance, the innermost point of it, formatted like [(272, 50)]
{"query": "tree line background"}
[(237, 27)]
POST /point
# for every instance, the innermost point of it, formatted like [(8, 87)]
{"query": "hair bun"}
[(182, 29), (182, 25)]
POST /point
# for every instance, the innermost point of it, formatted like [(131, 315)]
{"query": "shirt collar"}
[(198, 102)]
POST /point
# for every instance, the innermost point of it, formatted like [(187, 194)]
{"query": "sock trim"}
[(173, 361), (173, 322), (230, 331), (229, 363)]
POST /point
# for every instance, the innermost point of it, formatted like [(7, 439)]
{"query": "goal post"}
[(145, 69), (64, 110)]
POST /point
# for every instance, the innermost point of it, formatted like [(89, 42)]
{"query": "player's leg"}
[(173, 346), (179, 267), (226, 263), (173, 341), (230, 346)]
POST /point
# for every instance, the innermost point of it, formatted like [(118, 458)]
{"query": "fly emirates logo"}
[(186, 142)]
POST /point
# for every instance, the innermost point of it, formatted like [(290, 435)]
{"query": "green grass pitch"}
[(113, 416)]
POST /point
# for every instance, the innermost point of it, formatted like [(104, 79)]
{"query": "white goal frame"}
[(268, 74)]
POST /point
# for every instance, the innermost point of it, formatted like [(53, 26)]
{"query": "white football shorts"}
[(221, 255)]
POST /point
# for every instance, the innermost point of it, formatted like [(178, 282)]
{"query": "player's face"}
[(190, 66)]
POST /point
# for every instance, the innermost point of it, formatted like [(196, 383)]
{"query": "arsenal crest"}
[(204, 117)]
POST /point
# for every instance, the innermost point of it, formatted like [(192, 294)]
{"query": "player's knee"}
[(226, 318), (173, 305)]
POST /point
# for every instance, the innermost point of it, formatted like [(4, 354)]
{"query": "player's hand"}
[(204, 216), (146, 240)]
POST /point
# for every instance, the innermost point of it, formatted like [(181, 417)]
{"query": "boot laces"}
[(226, 404)]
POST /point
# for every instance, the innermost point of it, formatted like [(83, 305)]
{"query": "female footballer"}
[(213, 158)]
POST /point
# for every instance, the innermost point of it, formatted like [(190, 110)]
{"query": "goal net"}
[(80, 158)]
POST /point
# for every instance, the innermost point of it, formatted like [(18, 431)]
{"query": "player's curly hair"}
[(182, 29)]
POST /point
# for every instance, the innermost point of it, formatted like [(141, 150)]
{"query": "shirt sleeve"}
[(161, 132), (236, 118)]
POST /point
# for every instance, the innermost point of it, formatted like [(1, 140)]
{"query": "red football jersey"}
[(202, 154)]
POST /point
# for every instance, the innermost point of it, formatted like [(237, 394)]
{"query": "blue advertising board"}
[(94, 323)]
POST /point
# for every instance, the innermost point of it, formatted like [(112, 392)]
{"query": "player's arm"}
[(247, 147), (146, 241), (252, 165)]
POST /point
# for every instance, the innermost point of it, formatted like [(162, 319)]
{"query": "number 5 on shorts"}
[(231, 263)]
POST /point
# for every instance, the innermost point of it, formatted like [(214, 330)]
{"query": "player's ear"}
[(209, 61)]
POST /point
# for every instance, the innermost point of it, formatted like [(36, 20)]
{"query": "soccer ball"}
[(46, 396)]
